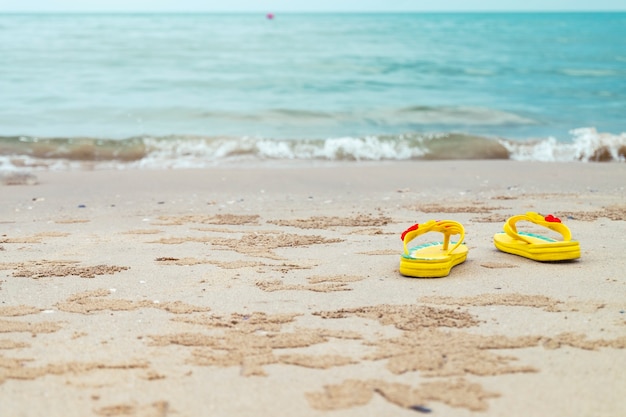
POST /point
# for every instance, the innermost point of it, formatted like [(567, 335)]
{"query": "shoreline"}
[(384, 180), (197, 152), (251, 290)]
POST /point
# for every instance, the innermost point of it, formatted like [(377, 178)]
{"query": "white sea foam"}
[(179, 152), (587, 145), (194, 153), (369, 148)]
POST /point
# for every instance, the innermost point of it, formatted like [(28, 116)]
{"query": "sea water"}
[(196, 89)]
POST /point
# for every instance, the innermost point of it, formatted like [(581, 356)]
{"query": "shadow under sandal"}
[(534, 246), (434, 259)]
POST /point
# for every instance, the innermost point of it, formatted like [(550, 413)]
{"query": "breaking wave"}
[(179, 151)]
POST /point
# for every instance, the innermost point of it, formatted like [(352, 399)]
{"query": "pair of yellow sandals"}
[(436, 259)]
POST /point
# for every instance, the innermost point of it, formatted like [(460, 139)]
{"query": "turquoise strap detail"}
[(422, 246)]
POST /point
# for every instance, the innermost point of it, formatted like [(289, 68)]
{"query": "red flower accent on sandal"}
[(410, 229), (550, 218)]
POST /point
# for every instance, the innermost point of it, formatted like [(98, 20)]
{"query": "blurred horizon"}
[(304, 6), (320, 12)]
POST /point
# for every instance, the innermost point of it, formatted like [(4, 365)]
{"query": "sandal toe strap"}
[(446, 227), (549, 221)]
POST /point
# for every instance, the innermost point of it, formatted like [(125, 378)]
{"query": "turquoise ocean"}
[(196, 90)]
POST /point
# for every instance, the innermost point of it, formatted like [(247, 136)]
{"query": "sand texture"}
[(274, 291)]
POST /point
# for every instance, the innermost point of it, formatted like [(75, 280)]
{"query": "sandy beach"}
[(274, 291)]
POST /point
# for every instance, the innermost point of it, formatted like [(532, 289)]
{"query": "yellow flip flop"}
[(534, 246), (434, 259)]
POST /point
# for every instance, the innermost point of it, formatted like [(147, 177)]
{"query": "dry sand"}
[(274, 291)]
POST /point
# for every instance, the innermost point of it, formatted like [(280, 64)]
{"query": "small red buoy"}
[(270, 16)]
